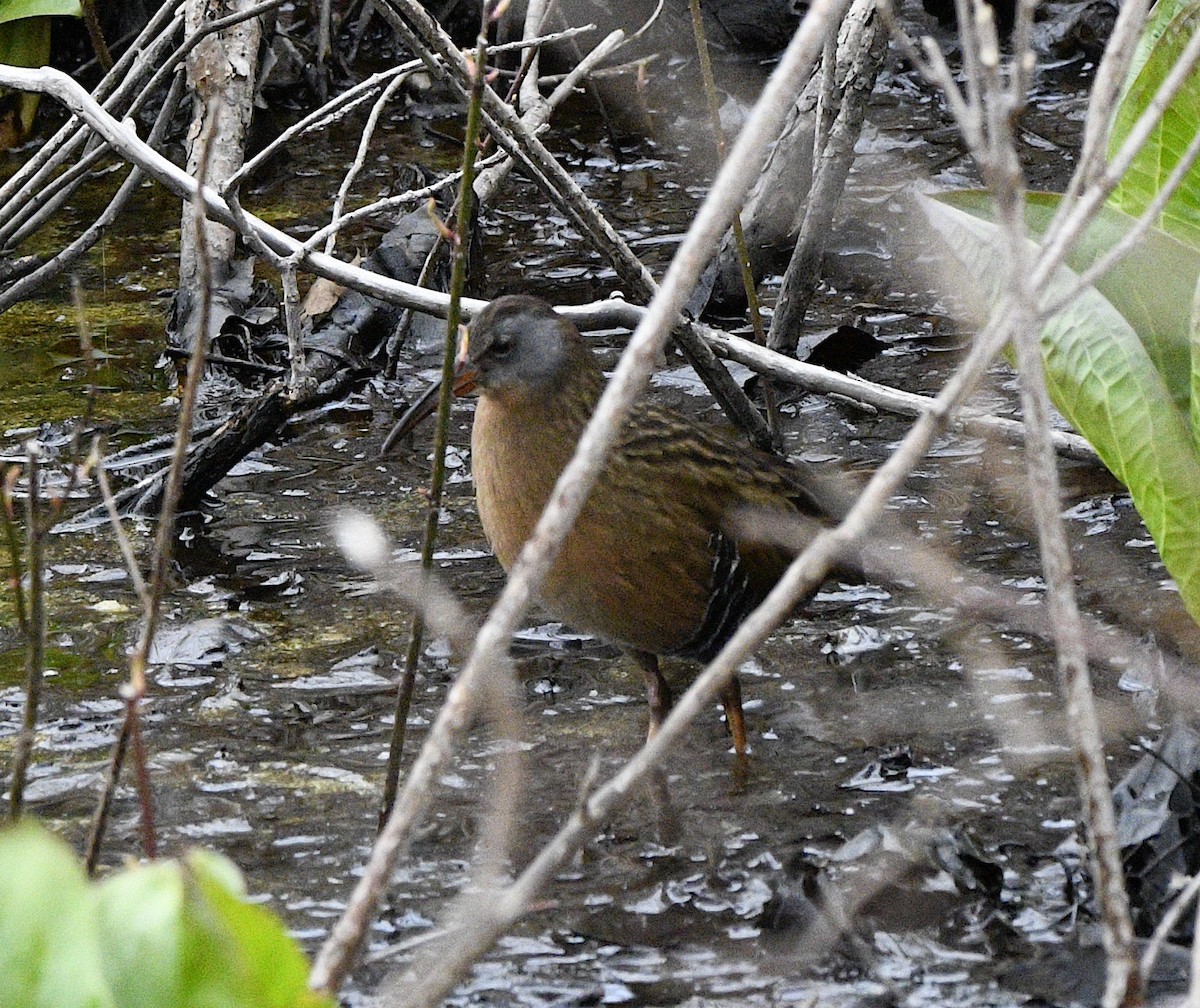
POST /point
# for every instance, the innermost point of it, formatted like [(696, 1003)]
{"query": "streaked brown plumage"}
[(652, 563)]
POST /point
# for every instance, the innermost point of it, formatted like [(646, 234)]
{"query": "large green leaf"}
[(1172, 25), (1106, 384), (1194, 343), (49, 944), (15, 10), (170, 933), (143, 906), (1152, 286), (257, 957), (1157, 23)]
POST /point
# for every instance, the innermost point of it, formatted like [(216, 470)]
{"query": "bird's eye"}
[(501, 346)]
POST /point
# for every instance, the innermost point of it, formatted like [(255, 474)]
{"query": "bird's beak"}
[(465, 376)]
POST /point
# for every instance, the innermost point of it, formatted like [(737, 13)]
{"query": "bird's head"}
[(518, 350), (517, 347)]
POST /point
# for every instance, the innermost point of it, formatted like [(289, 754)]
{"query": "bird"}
[(654, 563)]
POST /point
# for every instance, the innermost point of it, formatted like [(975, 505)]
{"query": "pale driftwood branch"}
[(818, 379), (123, 138), (35, 203), (597, 315), (64, 260), (530, 95), (221, 72), (111, 91)]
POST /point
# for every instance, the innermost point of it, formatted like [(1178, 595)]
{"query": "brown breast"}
[(650, 563)]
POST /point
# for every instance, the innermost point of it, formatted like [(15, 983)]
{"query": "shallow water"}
[(880, 722)]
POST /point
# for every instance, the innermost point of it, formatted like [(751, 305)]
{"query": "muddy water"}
[(880, 722)]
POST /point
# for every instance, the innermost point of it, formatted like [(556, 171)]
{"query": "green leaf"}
[(161, 934), (1158, 310), (1104, 381), (15, 10), (25, 43), (1160, 17), (1194, 346), (139, 910), (236, 948), (49, 944), (1171, 27)]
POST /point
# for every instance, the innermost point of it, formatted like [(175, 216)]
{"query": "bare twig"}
[(360, 157), (135, 690), (1162, 932), (96, 34), (123, 544), (16, 565), (1124, 983), (986, 114), (49, 81)]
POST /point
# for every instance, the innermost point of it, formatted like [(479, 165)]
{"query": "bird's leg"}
[(657, 690), (731, 698)]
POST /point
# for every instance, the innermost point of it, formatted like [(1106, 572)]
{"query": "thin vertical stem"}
[(135, 689), (460, 243), (1124, 983), (96, 35), (739, 233), (12, 537), (145, 792), (35, 639), (95, 841)]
